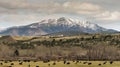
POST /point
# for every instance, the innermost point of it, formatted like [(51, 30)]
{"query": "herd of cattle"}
[(3, 62)]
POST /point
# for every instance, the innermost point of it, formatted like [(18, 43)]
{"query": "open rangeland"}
[(59, 64)]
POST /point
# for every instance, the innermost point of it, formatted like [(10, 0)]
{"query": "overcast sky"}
[(105, 13)]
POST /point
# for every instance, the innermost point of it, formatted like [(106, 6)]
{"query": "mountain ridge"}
[(49, 26)]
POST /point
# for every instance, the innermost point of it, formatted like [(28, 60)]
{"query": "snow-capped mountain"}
[(50, 26)]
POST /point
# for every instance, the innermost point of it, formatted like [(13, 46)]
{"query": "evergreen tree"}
[(16, 53)]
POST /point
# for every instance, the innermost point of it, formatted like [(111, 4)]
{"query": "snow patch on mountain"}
[(65, 22)]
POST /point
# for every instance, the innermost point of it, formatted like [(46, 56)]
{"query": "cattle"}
[(48, 64), (54, 63), (64, 61), (99, 64), (37, 66), (105, 62), (111, 62), (85, 62), (20, 63), (89, 63), (1, 63), (12, 63), (68, 63)]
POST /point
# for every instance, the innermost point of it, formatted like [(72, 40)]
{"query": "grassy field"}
[(60, 64)]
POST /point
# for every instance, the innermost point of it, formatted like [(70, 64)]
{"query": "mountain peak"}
[(68, 22), (64, 21), (62, 18)]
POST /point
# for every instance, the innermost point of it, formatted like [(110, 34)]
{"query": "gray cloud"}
[(107, 15), (17, 12), (17, 6), (57, 6)]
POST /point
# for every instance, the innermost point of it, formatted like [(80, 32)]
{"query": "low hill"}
[(7, 39)]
